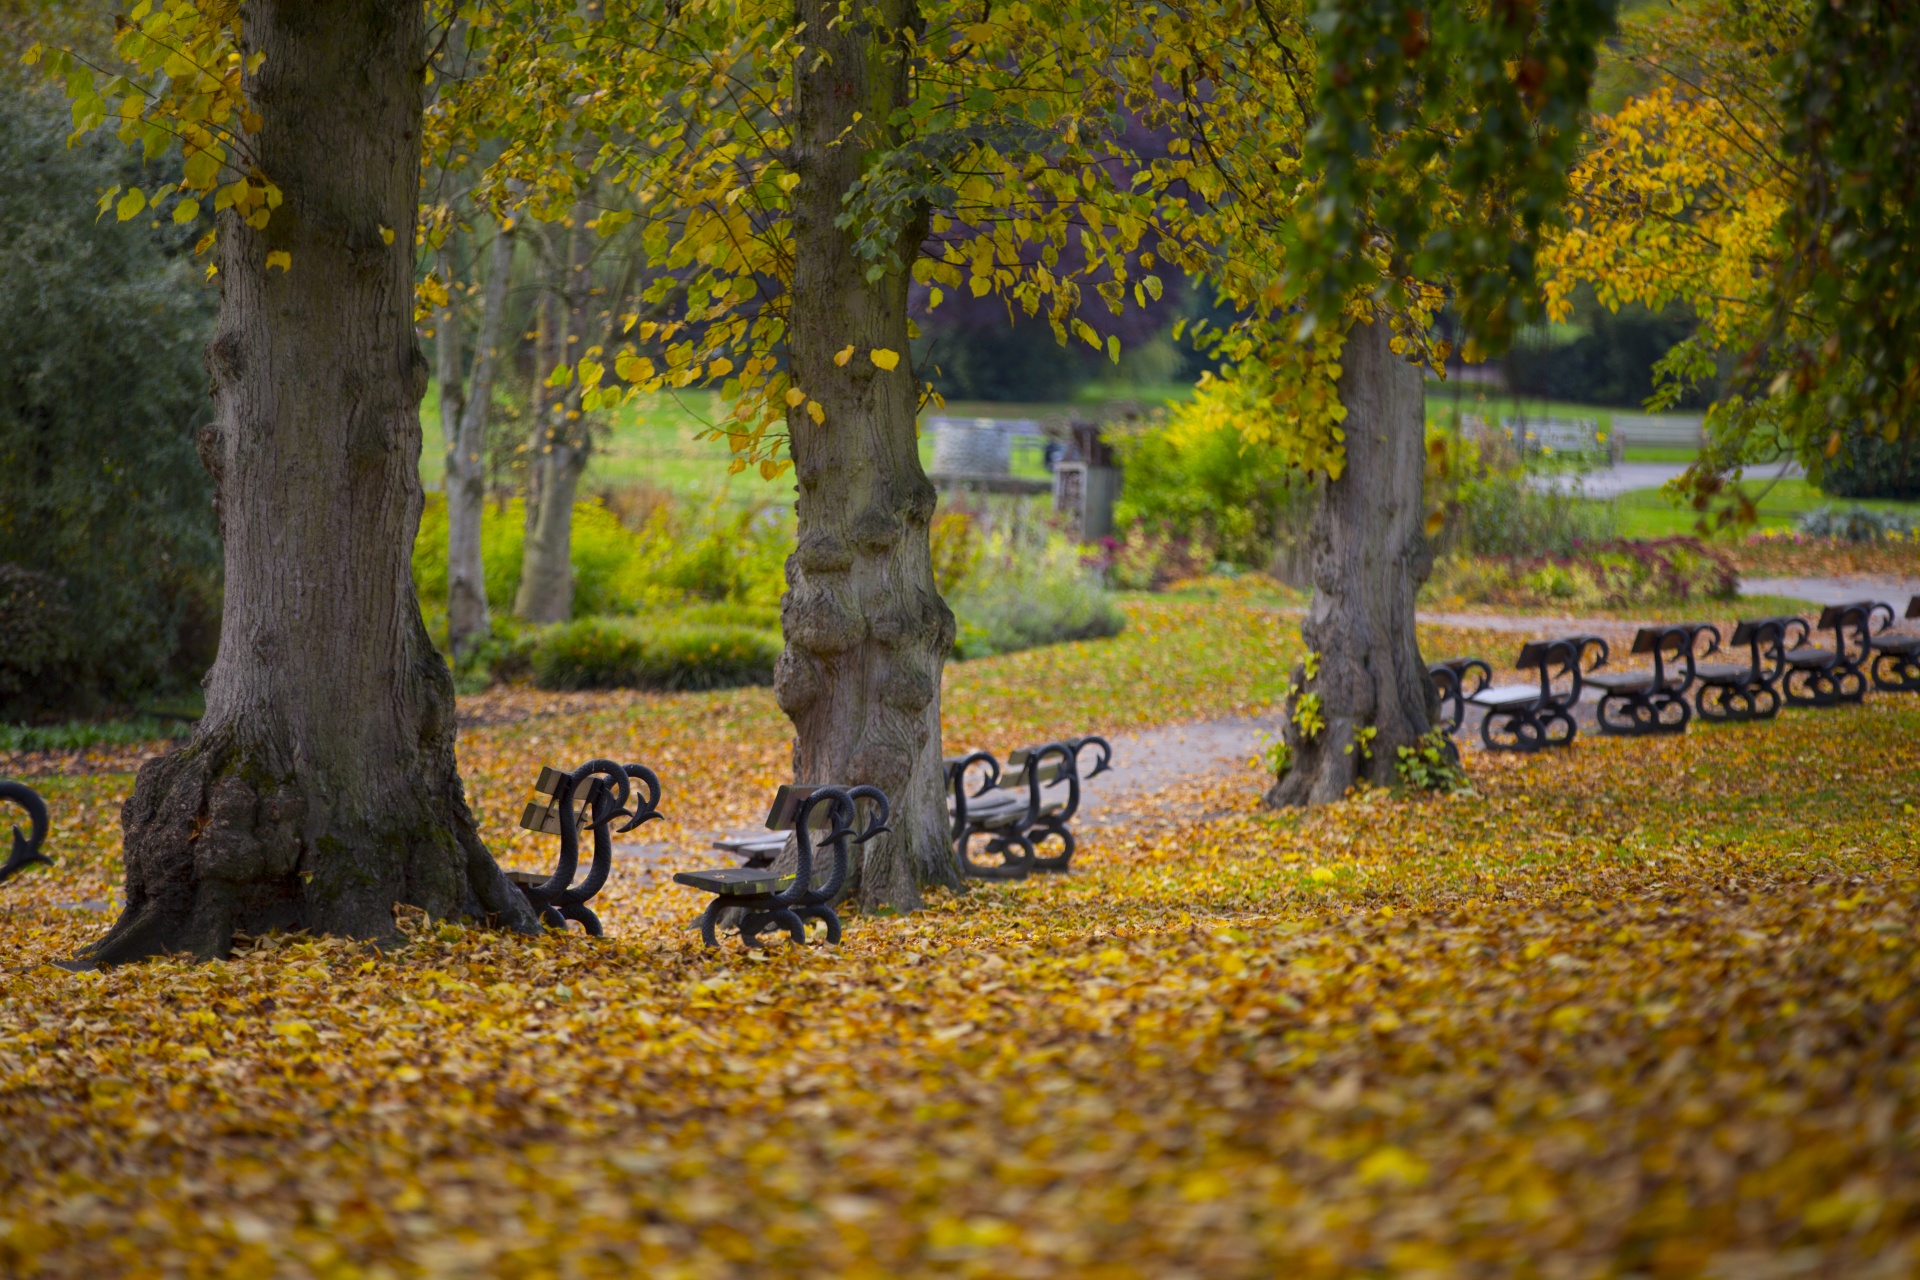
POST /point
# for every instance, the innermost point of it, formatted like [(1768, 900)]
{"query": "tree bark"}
[(466, 438), (1370, 554), (561, 449), (867, 633), (320, 788)]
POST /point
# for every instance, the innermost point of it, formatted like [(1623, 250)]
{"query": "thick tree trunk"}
[(1370, 555), (467, 621), (320, 789), (866, 631), (561, 448)]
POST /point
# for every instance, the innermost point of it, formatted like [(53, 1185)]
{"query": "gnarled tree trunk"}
[(561, 447), (465, 409), (1369, 554), (320, 789), (867, 634)]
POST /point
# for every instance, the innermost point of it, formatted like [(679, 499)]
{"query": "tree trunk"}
[(1370, 555), (467, 621), (320, 788), (561, 449), (867, 634)]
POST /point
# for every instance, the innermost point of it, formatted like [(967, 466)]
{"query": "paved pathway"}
[(1624, 477), (1840, 590)]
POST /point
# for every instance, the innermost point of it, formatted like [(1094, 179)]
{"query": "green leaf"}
[(130, 204)]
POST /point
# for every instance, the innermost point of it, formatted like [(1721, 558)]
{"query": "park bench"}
[(764, 898), (1015, 828), (1531, 717), (1450, 679), (1735, 690), (1896, 657), (591, 796), (26, 849), (1817, 677), (1652, 700)]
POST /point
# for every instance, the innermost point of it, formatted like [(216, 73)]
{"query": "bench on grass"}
[(1450, 681), (1653, 700), (764, 898), (1817, 677), (1726, 691), (1014, 827), (1532, 717), (591, 796), (1896, 658)]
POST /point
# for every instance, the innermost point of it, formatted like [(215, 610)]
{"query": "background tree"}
[(320, 788)]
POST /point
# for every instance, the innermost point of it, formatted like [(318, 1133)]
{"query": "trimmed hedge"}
[(616, 653)]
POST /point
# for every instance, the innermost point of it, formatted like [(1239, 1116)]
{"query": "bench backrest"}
[(1565, 657), (1913, 607), (786, 806), (545, 816), (1852, 623), (1020, 761)]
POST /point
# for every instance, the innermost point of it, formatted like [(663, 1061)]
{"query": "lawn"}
[(1648, 513), (1638, 1008)]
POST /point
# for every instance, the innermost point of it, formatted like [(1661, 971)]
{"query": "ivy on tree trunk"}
[(1364, 692)]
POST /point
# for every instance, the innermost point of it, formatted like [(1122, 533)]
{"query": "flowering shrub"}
[(1610, 575)]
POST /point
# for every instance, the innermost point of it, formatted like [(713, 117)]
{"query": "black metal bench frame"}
[(1450, 682), (1528, 720), (765, 898), (591, 796), (1016, 834), (26, 849), (1634, 703), (1751, 692), (1896, 658), (1833, 677)]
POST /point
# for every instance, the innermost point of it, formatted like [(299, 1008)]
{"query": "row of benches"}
[(1780, 667), (984, 805)]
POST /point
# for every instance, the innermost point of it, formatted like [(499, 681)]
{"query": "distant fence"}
[(1678, 429)]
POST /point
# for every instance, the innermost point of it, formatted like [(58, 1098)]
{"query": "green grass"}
[(1659, 453), (1648, 513)]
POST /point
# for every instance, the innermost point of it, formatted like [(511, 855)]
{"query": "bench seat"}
[(1635, 681), (1506, 695), (1900, 643), (1810, 657), (1723, 672), (735, 882)]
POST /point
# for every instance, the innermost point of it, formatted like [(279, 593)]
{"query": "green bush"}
[(677, 553), (1204, 485), (610, 653), (102, 388), (1502, 515), (1028, 587), (1870, 467)]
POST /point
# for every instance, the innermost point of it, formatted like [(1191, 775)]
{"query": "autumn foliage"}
[(1636, 1007)]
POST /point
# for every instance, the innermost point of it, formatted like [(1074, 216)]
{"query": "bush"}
[(1193, 481), (1028, 587), (674, 552), (102, 496), (1869, 467), (618, 653), (1613, 575), (1856, 524), (1502, 515)]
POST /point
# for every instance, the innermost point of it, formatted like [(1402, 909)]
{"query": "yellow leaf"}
[(719, 368), (386, 235), (130, 204), (815, 412), (186, 211), (885, 359), (840, 358), (795, 396), (1395, 1165), (280, 258)]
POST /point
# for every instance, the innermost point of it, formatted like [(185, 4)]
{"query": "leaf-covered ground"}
[(1642, 1008)]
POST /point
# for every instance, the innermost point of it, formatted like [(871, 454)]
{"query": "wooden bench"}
[(1896, 658), (1652, 700), (1730, 691), (764, 898), (1014, 827), (1528, 717), (1450, 680), (26, 849), (591, 796), (1817, 677)]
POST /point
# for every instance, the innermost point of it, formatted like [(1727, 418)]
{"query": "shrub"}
[(1612, 575), (102, 389), (1195, 481), (609, 653), (1856, 524), (1870, 467), (1029, 587), (1502, 515)]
